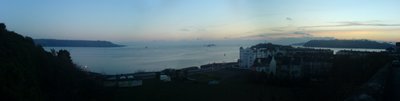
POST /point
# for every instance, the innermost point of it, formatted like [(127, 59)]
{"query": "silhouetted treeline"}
[(74, 43), (348, 44), (349, 73), (29, 73)]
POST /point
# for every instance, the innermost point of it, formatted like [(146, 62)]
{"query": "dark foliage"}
[(29, 73), (348, 74), (269, 46)]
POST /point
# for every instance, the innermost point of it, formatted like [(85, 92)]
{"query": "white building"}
[(285, 61), (267, 65), (247, 57)]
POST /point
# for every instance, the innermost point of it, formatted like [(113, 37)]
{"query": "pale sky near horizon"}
[(127, 20)]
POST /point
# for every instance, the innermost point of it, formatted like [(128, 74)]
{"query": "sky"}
[(149, 20)]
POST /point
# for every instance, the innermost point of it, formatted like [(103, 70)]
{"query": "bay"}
[(156, 56), (137, 57)]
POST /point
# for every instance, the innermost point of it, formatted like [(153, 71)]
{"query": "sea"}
[(157, 56), (152, 56), (335, 50)]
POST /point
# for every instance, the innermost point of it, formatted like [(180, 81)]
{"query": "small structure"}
[(213, 82), (165, 78), (394, 51), (353, 53), (145, 75), (121, 81), (130, 83), (127, 80)]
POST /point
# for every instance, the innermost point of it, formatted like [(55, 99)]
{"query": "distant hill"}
[(74, 43), (299, 44), (347, 44)]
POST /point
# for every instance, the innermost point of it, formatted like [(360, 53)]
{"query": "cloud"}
[(280, 35), (184, 29), (354, 23), (286, 38), (193, 29), (301, 33), (289, 19), (280, 29)]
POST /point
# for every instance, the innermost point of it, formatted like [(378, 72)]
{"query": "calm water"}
[(353, 49), (157, 56)]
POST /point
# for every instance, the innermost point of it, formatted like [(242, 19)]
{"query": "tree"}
[(29, 73)]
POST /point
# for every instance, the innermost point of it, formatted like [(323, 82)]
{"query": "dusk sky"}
[(131, 20)]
